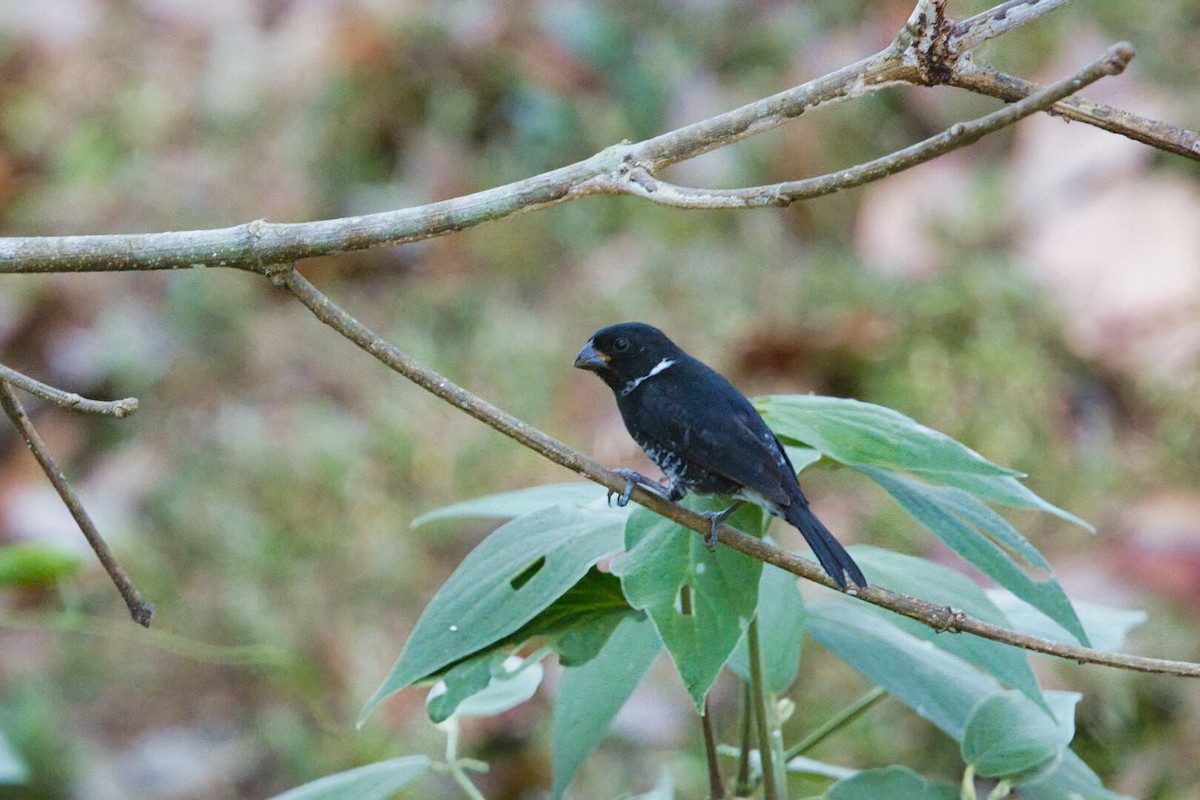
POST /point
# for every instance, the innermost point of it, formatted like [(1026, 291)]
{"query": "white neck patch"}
[(636, 382)]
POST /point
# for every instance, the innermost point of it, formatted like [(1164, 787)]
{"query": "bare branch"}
[(974, 31), (69, 400), (139, 609), (941, 618), (641, 183), (931, 49), (1161, 135), (257, 246)]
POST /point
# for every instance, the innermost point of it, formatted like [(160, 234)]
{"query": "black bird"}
[(704, 435)]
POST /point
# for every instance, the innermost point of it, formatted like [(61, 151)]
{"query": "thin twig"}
[(974, 31), (1162, 135), (940, 618), (69, 400), (838, 721), (641, 183), (139, 609)]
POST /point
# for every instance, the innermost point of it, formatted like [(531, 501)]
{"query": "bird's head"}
[(624, 353)]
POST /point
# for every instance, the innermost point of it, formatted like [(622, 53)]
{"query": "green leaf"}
[(467, 677), (36, 564), (1008, 491), (1106, 627), (377, 781), (863, 434), (580, 622), (1070, 777), (485, 686), (700, 601), (1006, 735), (589, 696), (508, 505), (802, 457), (938, 686), (493, 593), (894, 783), (781, 631), (942, 585), (12, 769), (956, 518)]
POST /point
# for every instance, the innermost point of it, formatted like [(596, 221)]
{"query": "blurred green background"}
[(1035, 296)]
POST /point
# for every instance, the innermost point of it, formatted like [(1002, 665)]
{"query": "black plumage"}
[(704, 434)]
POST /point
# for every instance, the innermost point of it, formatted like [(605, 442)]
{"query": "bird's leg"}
[(716, 518), (632, 479)]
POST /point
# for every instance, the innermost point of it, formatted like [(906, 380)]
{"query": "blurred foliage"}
[(262, 494)]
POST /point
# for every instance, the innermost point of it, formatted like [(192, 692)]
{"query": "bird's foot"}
[(632, 479), (716, 518)]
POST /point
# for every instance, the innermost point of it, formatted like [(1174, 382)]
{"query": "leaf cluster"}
[(608, 589)]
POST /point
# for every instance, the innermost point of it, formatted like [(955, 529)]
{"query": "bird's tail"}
[(829, 551)]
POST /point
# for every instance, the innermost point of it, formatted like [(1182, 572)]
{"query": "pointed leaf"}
[(525, 501), (781, 631), (951, 516), (938, 584), (700, 601), (856, 433), (1007, 490), (862, 434), (514, 574), (377, 781), (894, 783), (580, 622), (1106, 627), (589, 696), (939, 686)]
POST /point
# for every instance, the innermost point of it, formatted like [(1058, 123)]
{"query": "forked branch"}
[(931, 49)]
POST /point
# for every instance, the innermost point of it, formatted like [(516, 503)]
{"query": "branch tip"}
[(139, 609)]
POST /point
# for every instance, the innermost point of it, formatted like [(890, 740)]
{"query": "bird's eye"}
[(621, 344)]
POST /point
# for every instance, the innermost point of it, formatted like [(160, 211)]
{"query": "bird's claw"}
[(631, 480), (716, 518)]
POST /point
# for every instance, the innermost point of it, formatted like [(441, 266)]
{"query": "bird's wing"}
[(709, 423)]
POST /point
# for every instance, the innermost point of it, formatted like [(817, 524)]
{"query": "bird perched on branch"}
[(704, 435)]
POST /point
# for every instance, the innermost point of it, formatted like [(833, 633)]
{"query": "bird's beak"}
[(590, 358)]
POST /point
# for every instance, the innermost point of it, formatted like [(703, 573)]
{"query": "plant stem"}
[(455, 766), (967, 792), (743, 784), (758, 689), (838, 721), (716, 787)]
